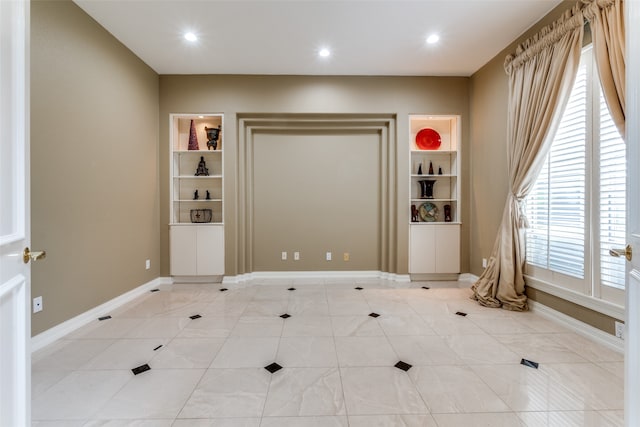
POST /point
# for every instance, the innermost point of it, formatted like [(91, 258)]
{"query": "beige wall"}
[(94, 164), (489, 181), (233, 95)]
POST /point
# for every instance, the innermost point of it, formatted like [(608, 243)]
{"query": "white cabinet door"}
[(210, 250), (422, 250), (434, 249), (447, 242), (182, 241)]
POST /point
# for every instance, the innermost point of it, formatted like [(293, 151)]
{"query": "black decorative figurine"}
[(430, 168), (420, 169), (447, 213), (414, 213), (440, 170), (208, 195), (426, 188), (212, 137), (202, 168), (195, 195)]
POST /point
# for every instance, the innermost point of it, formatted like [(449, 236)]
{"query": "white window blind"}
[(577, 207), (612, 199), (556, 205)]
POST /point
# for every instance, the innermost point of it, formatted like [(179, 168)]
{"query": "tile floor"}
[(337, 361)]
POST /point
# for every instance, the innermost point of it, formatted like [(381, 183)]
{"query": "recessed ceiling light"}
[(324, 52), (190, 37), (433, 38)]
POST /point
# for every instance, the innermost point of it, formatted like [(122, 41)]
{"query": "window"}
[(576, 209)]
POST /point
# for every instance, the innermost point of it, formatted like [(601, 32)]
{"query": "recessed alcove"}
[(314, 183)]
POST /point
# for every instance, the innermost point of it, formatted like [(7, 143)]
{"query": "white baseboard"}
[(59, 331), (315, 275), (595, 334)]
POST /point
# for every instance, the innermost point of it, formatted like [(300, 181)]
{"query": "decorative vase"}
[(430, 168), (193, 138), (212, 137), (439, 171), (426, 188), (420, 169), (447, 213)]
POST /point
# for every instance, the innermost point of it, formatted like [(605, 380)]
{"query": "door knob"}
[(27, 255), (626, 252)]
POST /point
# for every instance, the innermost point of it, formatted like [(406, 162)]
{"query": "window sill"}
[(595, 304)]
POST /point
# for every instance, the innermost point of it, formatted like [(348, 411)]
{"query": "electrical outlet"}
[(296, 256), (620, 330), (147, 264), (37, 304), (328, 256), (284, 256), (484, 263), (345, 256)]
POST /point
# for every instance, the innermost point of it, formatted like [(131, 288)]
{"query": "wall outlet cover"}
[(296, 256), (328, 256), (620, 330), (147, 264), (37, 304), (284, 256)]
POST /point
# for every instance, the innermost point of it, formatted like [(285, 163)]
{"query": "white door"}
[(632, 333), (15, 325)]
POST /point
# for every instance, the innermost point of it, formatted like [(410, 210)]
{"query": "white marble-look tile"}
[(105, 329), (266, 308), (427, 306), (79, 395), (226, 307), (448, 324), (129, 423), (454, 389), (616, 368), (246, 352), (573, 419), (380, 390), (307, 326), (158, 393), (305, 391), (520, 387), (325, 421), (356, 326), (424, 350), (349, 307), (588, 349), (538, 323), (392, 421), (481, 349), (67, 355), (499, 325), (159, 327), (42, 380), (125, 354), (394, 325), (584, 386), (507, 419), (217, 422), (308, 304), (187, 353), (258, 326), (57, 423), (304, 352), (541, 348), (228, 393), (365, 351), (209, 327)]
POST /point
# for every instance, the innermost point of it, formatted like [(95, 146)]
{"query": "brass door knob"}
[(27, 255), (626, 252)]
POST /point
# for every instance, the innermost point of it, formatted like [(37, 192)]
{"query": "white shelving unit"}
[(196, 248), (434, 240)]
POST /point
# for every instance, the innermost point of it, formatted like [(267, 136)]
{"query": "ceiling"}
[(366, 37)]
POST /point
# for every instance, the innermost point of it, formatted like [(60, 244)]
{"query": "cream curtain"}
[(541, 74), (606, 18)]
